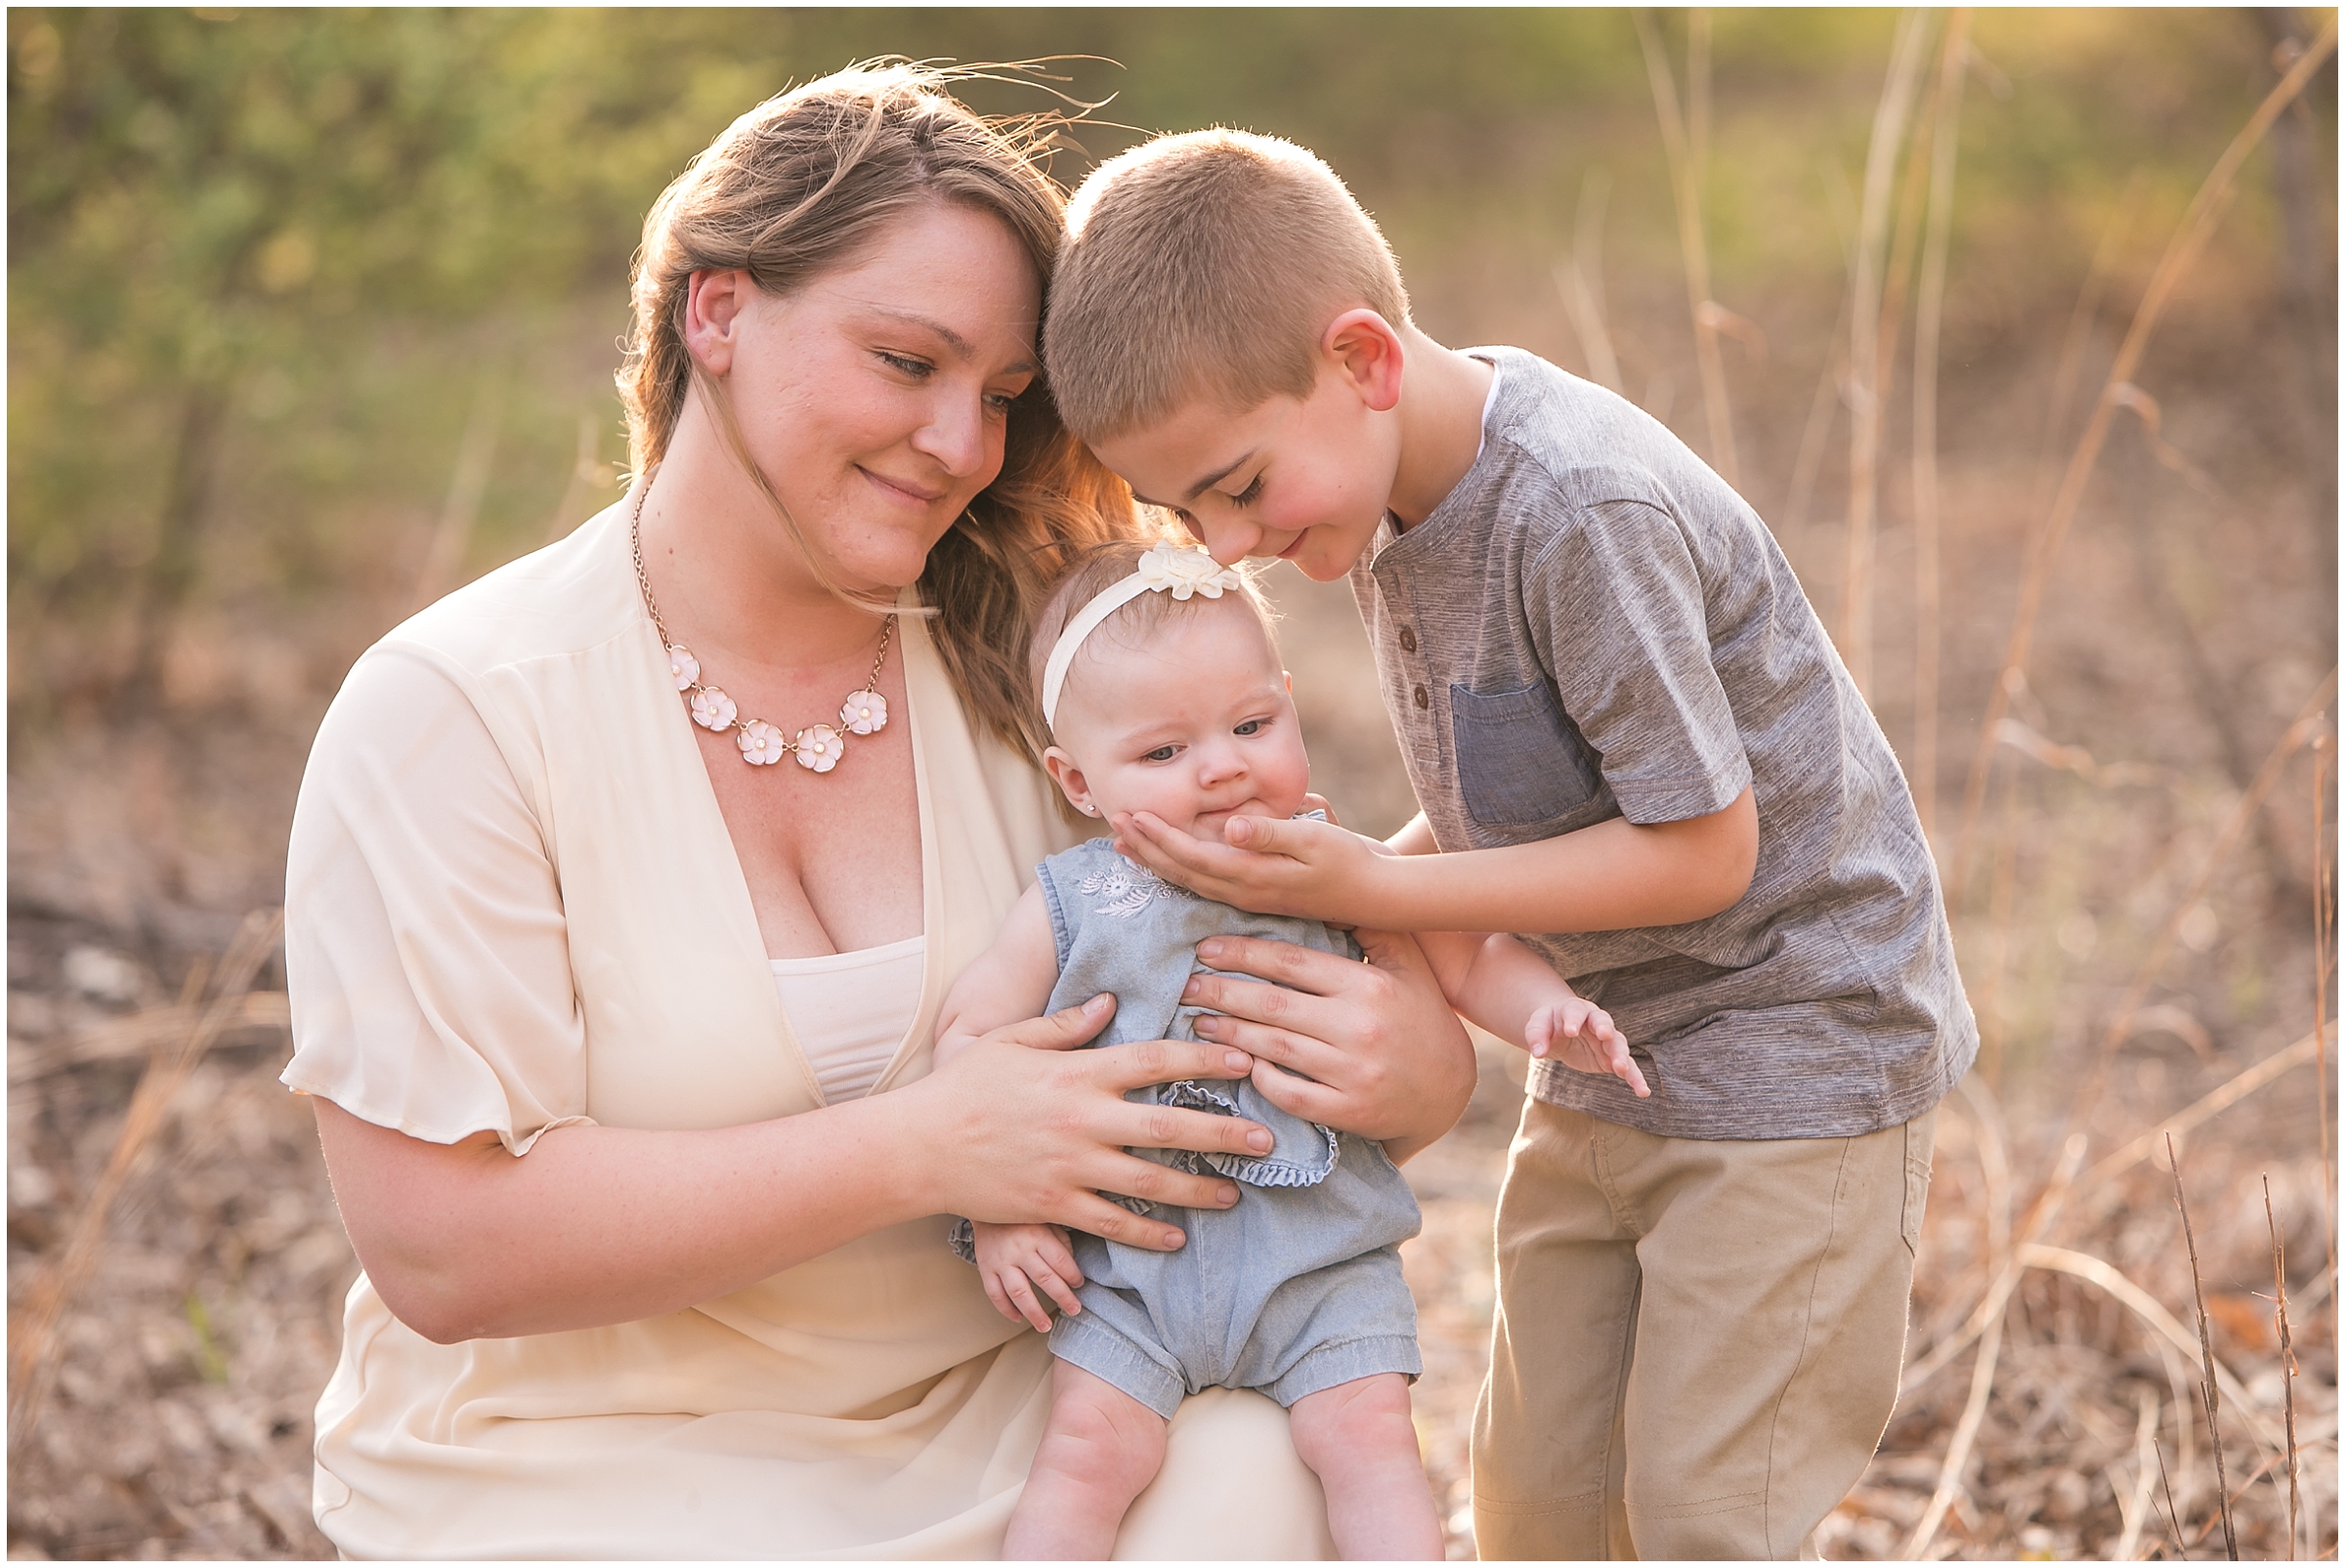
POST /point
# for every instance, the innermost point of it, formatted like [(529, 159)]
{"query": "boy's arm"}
[(1414, 839), (1012, 982), (1611, 876)]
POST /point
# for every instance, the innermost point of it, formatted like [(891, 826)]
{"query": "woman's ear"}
[(1070, 780), (1364, 345), (713, 302)]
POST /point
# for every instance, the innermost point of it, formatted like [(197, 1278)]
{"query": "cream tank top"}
[(850, 1011)]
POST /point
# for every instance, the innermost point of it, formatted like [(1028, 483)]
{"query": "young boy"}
[(1633, 746)]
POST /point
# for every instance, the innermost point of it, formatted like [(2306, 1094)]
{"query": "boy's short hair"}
[(1204, 264), (1100, 566)]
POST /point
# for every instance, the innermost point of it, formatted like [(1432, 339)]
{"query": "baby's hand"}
[(1580, 1035), (1017, 1260)]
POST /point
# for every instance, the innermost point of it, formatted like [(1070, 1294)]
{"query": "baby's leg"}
[(1359, 1439), (1102, 1449)]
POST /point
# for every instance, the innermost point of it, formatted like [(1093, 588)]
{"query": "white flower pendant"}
[(820, 748), (761, 745), (713, 709), (864, 713), (683, 666)]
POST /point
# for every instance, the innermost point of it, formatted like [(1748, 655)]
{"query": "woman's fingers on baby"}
[(1161, 1127), (1296, 1052), (1284, 964), (1113, 1222), (1168, 1061), (1296, 1094), (1129, 1175)]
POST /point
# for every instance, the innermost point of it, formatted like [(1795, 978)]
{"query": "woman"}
[(616, 1017)]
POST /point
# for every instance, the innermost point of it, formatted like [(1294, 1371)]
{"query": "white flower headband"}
[(1168, 568)]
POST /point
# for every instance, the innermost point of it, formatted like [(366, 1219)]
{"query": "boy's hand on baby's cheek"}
[(1298, 866)]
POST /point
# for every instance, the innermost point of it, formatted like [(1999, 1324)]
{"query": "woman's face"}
[(876, 397)]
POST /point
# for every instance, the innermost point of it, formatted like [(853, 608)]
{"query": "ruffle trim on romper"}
[(1262, 1171)]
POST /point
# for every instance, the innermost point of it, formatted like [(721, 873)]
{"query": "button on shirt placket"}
[(1410, 677)]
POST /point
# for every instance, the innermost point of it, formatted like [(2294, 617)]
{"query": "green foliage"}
[(261, 260)]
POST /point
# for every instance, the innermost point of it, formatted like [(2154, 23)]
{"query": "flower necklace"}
[(817, 747)]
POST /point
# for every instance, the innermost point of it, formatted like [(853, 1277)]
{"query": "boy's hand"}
[(1302, 867), (1580, 1035), (1016, 1260)]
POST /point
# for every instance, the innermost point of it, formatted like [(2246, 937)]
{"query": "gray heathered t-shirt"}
[(1593, 624)]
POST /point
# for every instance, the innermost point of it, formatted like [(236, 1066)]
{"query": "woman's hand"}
[(1031, 1131), (1385, 1057)]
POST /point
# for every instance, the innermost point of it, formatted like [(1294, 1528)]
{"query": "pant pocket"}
[(1919, 1140)]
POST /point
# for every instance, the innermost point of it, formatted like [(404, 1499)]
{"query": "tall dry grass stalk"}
[(585, 476), (2002, 891), (1685, 140), (33, 1346), (2181, 252), (2135, 1507), (2324, 969), (1813, 435), (2287, 1361), (2208, 1393), (1582, 283), (476, 456), (1946, 118), (1866, 293), (1958, 1451), (2072, 342)]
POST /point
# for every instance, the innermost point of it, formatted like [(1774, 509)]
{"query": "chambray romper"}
[(1295, 1289)]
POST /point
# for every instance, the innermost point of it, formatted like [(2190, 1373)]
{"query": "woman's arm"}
[(598, 1225)]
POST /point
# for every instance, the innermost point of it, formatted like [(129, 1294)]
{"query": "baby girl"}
[(1161, 687)]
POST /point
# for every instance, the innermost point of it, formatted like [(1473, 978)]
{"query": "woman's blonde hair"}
[(803, 183)]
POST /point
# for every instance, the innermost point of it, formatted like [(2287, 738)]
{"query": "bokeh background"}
[(2019, 327)]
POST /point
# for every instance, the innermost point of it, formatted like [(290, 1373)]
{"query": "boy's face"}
[(1189, 719), (1304, 480)]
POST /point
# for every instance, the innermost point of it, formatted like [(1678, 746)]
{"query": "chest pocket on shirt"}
[(1520, 758)]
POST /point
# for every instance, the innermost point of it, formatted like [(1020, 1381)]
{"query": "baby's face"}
[(1190, 720)]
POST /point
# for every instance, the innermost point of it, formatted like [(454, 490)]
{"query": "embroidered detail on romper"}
[(1128, 889)]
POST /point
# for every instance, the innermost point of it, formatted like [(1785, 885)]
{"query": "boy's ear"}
[(713, 301), (1367, 349), (1070, 780)]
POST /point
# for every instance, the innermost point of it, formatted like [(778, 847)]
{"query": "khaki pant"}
[(1697, 1343)]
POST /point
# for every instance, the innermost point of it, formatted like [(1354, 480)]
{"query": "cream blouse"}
[(512, 905)]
